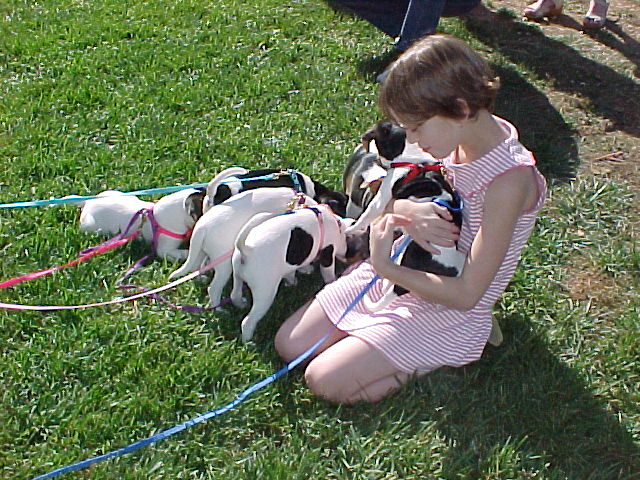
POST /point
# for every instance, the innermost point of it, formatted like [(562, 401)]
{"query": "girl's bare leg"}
[(350, 371), (304, 328), (343, 369)]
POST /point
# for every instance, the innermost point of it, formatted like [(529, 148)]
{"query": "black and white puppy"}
[(364, 170), (426, 187), (218, 192), (383, 145), (270, 248), (395, 170)]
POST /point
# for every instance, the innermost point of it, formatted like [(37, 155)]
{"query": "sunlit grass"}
[(97, 95)]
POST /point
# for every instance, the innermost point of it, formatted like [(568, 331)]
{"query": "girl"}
[(442, 92)]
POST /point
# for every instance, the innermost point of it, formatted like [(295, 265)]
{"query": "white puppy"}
[(215, 233), (174, 215), (270, 248)]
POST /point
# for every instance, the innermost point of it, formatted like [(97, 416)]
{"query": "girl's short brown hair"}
[(432, 76)]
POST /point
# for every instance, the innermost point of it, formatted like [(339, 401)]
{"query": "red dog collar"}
[(416, 169)]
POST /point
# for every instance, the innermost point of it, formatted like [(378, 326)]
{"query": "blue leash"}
[(148, 191), (58, 201), (231, 405)]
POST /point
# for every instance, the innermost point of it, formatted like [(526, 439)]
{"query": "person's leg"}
[(455, 8), (421, 19), (386, 15), (304, 328), (350, 371), (542, 9), (596, 16)]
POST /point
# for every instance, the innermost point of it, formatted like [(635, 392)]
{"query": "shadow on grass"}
[(541, 127), (519, 395), (522, 391), (610, 95), (612, 35), (520, 405)]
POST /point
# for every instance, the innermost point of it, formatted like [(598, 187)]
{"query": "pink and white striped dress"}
[(418, 336)]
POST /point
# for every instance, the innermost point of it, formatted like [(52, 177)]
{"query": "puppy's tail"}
[(218, 179), (254, 221), (196, 255)]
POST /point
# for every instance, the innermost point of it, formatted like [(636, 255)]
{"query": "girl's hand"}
[(429, 224), (381, 239)]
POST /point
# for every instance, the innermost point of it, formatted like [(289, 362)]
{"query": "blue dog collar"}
[(445, 203)]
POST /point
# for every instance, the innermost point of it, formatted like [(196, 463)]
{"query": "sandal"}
[(544, 9), (596, 16)]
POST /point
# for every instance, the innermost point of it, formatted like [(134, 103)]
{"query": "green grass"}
[(126, 95)]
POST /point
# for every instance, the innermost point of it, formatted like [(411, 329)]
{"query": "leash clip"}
[(297, 201)]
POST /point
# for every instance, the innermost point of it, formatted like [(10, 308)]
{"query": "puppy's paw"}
[(306, 270), (239, 302), (290, 280), (247, 330)]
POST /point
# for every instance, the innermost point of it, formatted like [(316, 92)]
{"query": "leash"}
[(186, 308), (229, 406), (113, 242), (86, 256), (457, 199), (147, 293), (293, 175), (147, 191), (76, 199)]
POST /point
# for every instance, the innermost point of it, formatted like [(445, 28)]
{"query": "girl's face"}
[(438, 135)]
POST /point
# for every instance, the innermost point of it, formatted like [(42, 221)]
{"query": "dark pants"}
[(407, 19)]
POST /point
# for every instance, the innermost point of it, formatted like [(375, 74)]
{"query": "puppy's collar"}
[(416, 169), (297, 201), (158, 230), (457, 199)]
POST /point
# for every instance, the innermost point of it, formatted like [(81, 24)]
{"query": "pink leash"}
[(110, 244), (105, 247)]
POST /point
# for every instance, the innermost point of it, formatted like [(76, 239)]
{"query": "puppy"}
[(426, 187), (218, 192), (111, 212), (411, 158), (368, 164), (270, 248), (215, 233)]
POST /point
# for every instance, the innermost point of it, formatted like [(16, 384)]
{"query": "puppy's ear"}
[(369, 135), (193, 204), (337, 202), (357, 246)]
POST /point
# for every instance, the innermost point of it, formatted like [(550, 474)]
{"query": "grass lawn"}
[(101, 94)]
